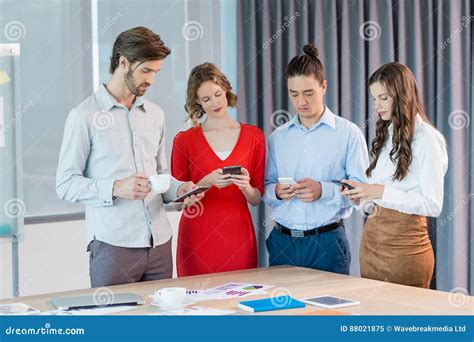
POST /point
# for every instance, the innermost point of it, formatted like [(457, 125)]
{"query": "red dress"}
[(217, 234)]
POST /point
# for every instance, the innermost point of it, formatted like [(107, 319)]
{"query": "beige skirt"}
[(395, 247)]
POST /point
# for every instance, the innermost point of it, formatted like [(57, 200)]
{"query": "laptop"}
[(88, 302)]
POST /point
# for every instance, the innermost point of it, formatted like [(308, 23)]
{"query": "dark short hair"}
[(306, 64), (138, 44)]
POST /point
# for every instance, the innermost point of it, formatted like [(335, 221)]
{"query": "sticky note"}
[(5, 229), (4, 77), (2, 123)]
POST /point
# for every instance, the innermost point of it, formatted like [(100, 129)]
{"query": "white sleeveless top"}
[(223, 154)]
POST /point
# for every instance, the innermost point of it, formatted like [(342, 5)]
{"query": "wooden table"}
[(376, 298)]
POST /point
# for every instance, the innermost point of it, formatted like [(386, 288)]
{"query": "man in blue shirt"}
[(314, 147)]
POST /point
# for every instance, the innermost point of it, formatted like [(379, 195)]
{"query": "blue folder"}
[(270, 304)]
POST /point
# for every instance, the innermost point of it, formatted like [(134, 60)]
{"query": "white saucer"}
[(163, 306)]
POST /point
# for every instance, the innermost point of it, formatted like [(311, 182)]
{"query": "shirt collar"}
[(390, 128), (107, 101), (418, 120), (327, 118)]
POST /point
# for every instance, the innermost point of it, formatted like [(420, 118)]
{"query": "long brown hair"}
[(200, 74), (401, 86)]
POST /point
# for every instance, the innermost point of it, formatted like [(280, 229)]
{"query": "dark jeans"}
[(328, 251), (112, 265)]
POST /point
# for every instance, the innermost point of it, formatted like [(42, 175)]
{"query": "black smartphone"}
[(344, 185), (191, 192), (232, 170)]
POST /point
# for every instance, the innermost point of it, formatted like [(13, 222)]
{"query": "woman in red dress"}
[(217, 235)]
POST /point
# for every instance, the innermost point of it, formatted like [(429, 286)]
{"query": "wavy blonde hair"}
[(200, 74)]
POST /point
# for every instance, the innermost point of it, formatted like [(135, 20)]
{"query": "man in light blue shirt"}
[(314, 147), (113, 141)]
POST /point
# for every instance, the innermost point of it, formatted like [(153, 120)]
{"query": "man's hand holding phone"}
[(285, 188), (308, 190)]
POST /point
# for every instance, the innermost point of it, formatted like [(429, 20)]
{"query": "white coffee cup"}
[(160, 183), (170, 296), (14, 308)]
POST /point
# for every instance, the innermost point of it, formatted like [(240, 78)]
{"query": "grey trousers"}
[(112, 265)]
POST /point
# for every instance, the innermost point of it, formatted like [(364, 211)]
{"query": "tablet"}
[(86, 302), (330, 302), (191, 192)]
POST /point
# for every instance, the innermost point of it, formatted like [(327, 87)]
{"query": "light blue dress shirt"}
[(334, 148), (104, 141)]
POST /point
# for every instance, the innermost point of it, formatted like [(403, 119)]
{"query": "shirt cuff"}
[(171, 194), (392, 195), (106, 188), (327, 190), (270, 194), (364, 207)]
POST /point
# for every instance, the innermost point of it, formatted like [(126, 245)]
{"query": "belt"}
[(303, 233)]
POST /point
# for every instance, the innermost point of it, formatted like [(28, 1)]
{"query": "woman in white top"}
[(406, 183)]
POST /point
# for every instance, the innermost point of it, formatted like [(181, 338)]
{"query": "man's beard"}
[(132, 85)]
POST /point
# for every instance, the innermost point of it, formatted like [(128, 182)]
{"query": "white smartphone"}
[(330, 302), (286, 181)]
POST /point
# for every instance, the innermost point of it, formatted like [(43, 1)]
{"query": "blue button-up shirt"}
[(334, 148), (104, 141)]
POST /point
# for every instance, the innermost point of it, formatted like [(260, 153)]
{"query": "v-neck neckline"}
[(214, 152)]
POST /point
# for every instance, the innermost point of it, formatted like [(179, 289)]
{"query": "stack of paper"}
[(228, 291), (197, 311)]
